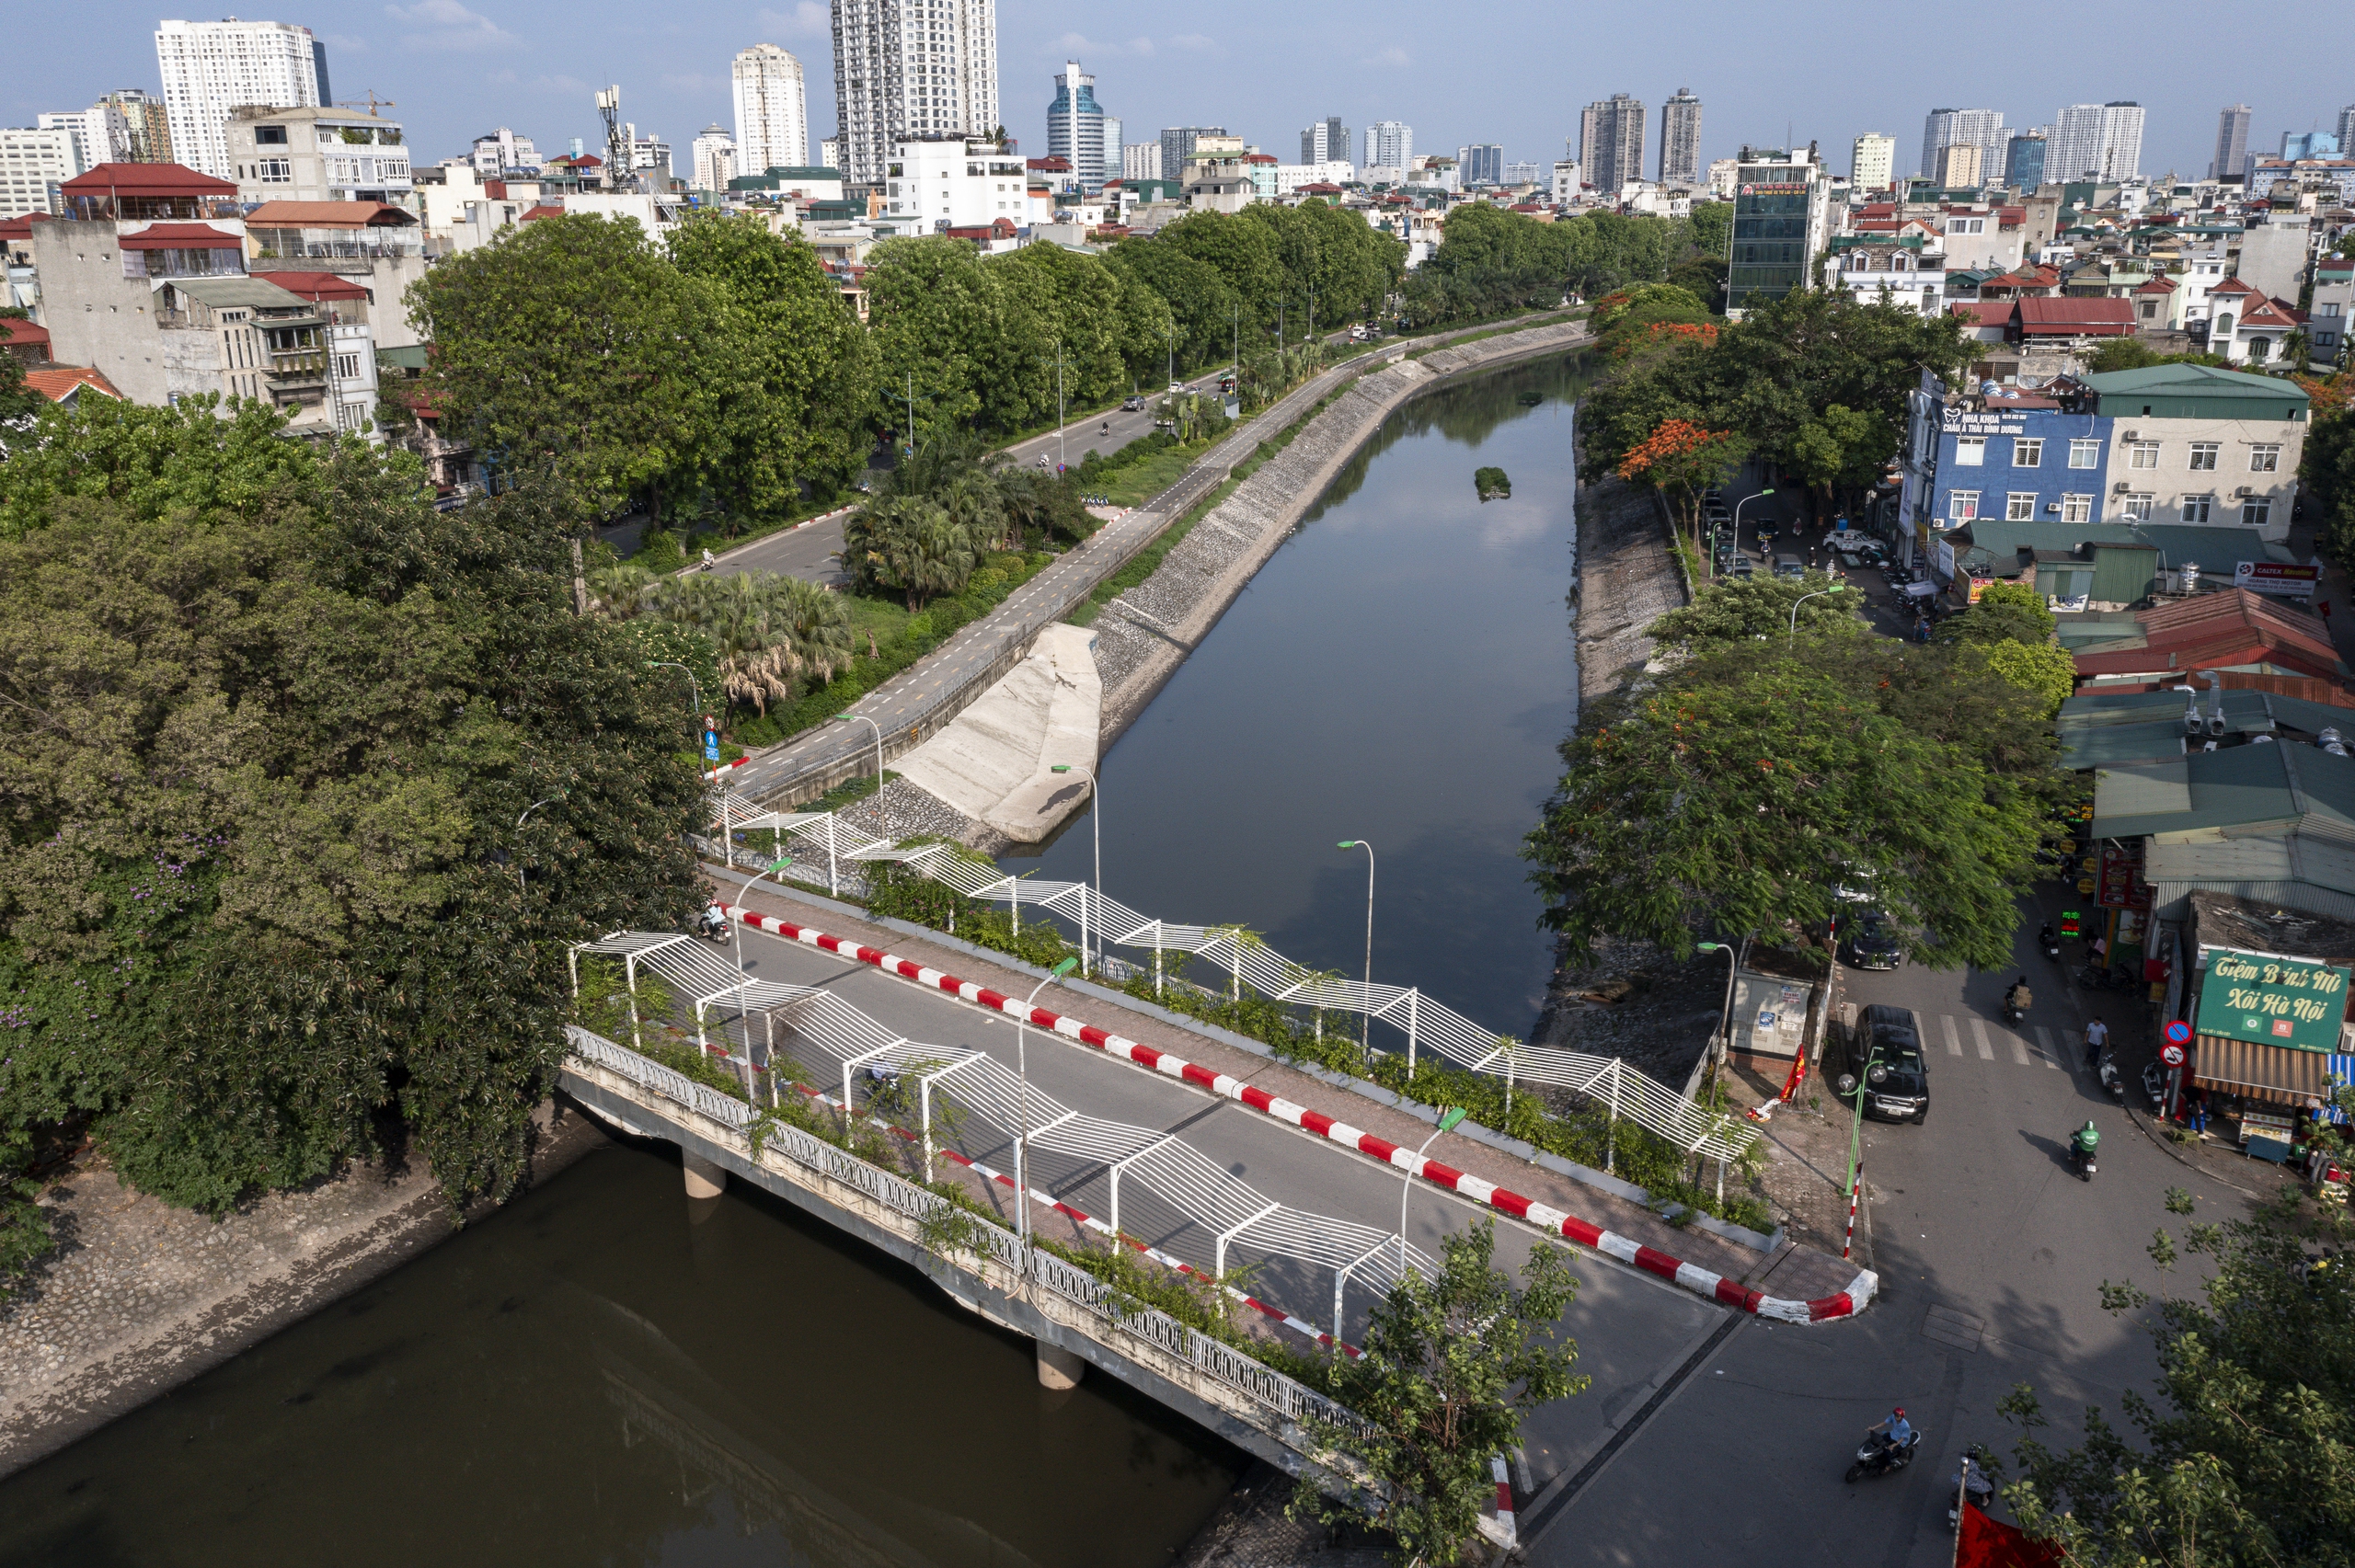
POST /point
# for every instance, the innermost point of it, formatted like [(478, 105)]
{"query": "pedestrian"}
[(2324, 609), (2195, 1110), (2096, 1042)]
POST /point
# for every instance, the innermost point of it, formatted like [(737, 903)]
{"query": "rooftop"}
[(146, 180), (328, 215), (59, 382)]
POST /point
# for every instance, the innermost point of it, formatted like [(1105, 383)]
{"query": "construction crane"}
[(373, 102)]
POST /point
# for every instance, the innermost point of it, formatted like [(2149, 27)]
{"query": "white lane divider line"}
[(2044, 1048), (1954, 1045), (2075, 1044), (1979, 1038), (2020, 1049)]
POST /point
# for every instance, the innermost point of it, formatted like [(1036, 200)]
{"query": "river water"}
[(1400, 671), (605, 1373)]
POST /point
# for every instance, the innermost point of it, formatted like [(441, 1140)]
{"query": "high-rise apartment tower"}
[(1327, 142), (210, 68), (2095, 141), (1178, 146), (1942, 127), (1079, 129), (907, 69), (1872, 165), (772, 110), (1680, 139), (1389, 144), (1611, 142), (2231, 144)]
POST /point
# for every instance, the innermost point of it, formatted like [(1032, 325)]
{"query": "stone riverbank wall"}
[(1146, 634), (1627, 578)]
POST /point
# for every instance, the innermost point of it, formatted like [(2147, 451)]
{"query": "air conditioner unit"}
[(2132, 436), (2121, 486), (2245, 491)]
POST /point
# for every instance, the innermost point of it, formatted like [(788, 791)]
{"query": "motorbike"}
[(1968, 1483), (712, 926), (2014, 1015), (2155, 1084), (2111, 1078), (2049, 943), (1874, 1456), (2081, 1161)]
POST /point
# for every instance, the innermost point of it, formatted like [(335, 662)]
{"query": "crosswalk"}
[(2055, 1051)]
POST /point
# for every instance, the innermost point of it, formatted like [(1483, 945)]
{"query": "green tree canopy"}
[(1744, 610), (185, 460)]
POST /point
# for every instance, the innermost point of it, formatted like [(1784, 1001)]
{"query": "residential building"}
[(1680, 139), (2332, 318), (1283, 179), (101, 133), (1723, 172), (830, 153), (1218, 176), (1872, 162), (923, 69), (1781, 223), (1141, 160), (1389, 144), (1327, 142), (1957, 167), (1981, 127), (1566, 182), (1611, 142), (1178, 144), (1080, 132), (2245, 325), (2096, 142), (1482, 163), (500, 151), (1981, 239), (935, 184), (2231, 161), (2296, 144), (714, 152), (1904, 270), (212, 68), (33, 163), (649, 158), (2024, 161), (319, 154), (2347, 127), (2275, 251), (150, 123), (771, 110), (2303, 182)]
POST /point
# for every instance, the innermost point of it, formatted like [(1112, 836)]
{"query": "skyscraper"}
[(2100, 142), (715, 156), (1178, 146), (1389, 144), (912, 69), (151, 125), (1942, 127), (2024, 161), (1077, 125), (1611, 142), (1872, 165), (1141, 160), (1327, 142), (1482, 163), (772, 110), (2346, 126), (210, 68), (1958, 166), (2231, 144), (1680, 139)]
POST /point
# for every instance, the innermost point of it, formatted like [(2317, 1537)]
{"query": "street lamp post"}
[(831, 888), (1792, 635), (1366, 1041), (1022, 1137), (1449, 1116), (519, 890), (1737, 515), (1095, 826)]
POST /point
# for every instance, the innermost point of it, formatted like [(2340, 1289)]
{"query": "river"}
[(1400, 672)]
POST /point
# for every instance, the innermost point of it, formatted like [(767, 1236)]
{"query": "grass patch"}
[(1140, 482)]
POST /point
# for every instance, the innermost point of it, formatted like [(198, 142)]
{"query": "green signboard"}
[(2273, 1002)]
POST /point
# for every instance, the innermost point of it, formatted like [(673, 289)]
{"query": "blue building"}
[(2022, 458), (2024, 161)]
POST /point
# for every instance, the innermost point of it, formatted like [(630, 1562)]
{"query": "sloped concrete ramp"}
[(992, 762)]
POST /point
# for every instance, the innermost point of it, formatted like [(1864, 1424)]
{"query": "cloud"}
[(808, 19), (344, 43), (447, 24), (1079, 46), (1394, 55)]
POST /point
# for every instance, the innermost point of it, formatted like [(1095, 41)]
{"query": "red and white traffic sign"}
[(2171, 1054), (2178, 1032)]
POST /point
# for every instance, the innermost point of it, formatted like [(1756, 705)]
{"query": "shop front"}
[(2266, 1031)]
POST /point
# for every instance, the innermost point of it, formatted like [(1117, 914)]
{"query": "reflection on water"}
[(1401, 671), (599, 1375)]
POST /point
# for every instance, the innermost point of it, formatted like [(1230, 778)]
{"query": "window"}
[(2143, 454), (1961, 505), (2019, 505), (2028, 451), (2203, 456), (2084, 454), (2077, 508), (347, 367), (2196, 507), (275, 171), (2139, 507), (2257, 511), (270, 135), (1970, 451), (2264, 458)]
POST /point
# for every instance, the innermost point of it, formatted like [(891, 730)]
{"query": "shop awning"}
[(2262, 1072)]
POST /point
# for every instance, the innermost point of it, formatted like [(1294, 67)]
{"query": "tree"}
[(2326, 467), (2133, 354), (2002, 612), (911, 544), (1842, 452), (799, 412), (571, 344), (2041, 669), (1681, 456), (771, 635), (2246, 1457), (1736, 795), (1451, 1367), (1710, 229), (18, 401), (1743, 609), (942, 325)]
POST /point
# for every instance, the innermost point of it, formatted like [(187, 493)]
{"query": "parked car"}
[(1789, 566), (1882, 1062), (1859, 549), (1867, 941), (1740, 566), (1133, 406)]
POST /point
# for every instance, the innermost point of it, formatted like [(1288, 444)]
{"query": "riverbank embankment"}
[(1146, 633), (139, 1295), (1627, 579)]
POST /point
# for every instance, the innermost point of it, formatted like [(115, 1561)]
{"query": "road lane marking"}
[(1979, 1038), (1954, 1045), (2044, 1044), (2019, 1049)]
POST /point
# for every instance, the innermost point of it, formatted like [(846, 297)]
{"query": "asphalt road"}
[(1632, 1329)]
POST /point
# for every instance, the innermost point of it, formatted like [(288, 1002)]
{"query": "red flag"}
[(1988, 1543)]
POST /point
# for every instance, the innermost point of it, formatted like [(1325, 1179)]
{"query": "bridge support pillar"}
[(1059, 1368), (705, 1179)]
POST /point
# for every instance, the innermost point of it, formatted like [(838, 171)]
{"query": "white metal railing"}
[(1261, 1384), (1425, 1020)]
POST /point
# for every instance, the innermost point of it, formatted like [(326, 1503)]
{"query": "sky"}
[(1514, 72)]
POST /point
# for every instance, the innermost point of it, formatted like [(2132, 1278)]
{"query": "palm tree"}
[(770, 633), (973, 500), (626, 590)]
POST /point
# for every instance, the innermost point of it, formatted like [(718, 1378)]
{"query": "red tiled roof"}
[(2210, 630), (1048, 165), (181, 237), (316, 286), (1986, 313), (60, 381), (327, 215), (20, 228), (2232, 286), (2076, 317), (2157, 286), (2265, 312), (14, 332), (545, 210), (147, 179)]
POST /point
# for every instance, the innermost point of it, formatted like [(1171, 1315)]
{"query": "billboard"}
[(2272, 577), (2273, 1002)]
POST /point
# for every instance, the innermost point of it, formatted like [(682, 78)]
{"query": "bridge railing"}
[(1263, 1385)]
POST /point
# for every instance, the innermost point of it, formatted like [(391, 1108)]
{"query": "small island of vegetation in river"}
[(1492, 483)]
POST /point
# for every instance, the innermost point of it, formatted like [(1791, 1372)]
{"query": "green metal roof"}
[(2214, 548), (2259, 781), (2120, 745), (2197, 391)]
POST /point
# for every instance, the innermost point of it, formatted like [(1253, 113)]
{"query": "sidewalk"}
[(1790, 1271)]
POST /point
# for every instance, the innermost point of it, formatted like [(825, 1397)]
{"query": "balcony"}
[(302, 368)]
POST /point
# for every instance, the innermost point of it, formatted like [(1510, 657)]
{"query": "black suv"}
[(1868, 942), (1896, 1086)]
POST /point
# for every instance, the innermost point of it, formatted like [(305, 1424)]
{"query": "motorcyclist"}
[(715, 919), (1894, 1433), (2084, 1141), (2019, 999), (2046, 938)]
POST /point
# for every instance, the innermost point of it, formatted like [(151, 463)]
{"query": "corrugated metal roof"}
[(2262, 1072), (2127, 795), (2118, 745)]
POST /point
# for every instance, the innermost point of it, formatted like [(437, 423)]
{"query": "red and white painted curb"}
[(1506, 1523), (1689, 1276), (726, 767)]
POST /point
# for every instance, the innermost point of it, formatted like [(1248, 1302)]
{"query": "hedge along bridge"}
[(1608, 1081)]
